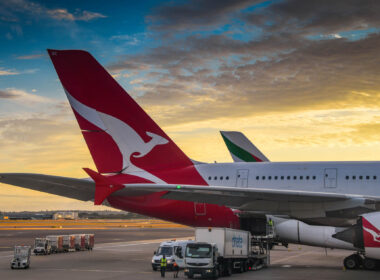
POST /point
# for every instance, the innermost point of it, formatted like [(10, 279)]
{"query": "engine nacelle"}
[(371, 234), (294, 231)]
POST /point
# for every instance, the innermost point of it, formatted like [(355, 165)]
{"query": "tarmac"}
[(126, 253)]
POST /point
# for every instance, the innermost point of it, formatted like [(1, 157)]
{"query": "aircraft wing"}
[(81, 189), (299, 203)]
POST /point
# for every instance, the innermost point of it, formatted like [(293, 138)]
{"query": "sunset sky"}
[(300, 78)]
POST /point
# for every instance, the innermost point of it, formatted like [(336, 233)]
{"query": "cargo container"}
[(80, 242), (72, 243), (56, 243), (66, 242), (89, 241)]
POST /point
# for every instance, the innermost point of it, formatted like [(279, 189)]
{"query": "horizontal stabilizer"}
[(81, 189), (104, 186)]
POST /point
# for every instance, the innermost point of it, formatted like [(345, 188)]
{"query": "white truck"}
[(42, 246), (173, 251), (217, 252), (21, 258)]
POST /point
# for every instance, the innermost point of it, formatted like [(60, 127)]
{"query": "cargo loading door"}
[(242, 178), (331, 177), (199, 209)]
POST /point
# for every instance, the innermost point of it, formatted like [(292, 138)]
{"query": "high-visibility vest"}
[(163, 262), (270, 223)]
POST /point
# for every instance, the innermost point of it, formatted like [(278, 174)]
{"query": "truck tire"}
[(154, 268)]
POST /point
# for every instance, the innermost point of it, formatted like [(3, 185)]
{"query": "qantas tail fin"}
[(121, 137), (241, 149)]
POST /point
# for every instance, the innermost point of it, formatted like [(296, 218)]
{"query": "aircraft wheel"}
[(370, 264), (351, 262)]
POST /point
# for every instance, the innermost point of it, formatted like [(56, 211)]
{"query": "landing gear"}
[(357, 261), (370, 264), (352, 262)]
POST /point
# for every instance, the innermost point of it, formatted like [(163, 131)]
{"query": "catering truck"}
[(217, 252), (173, 251)]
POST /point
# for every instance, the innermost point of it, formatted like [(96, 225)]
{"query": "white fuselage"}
[(355, 178)]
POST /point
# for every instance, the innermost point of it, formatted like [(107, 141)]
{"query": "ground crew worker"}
[(270, 226), (175, 269), (163, 265)]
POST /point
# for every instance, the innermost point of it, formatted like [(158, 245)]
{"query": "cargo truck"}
[(217, 252), (42, 246)]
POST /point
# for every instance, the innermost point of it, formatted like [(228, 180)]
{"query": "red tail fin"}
[(119, 134)]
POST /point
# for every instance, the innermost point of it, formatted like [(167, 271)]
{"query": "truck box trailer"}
[(217, 252)]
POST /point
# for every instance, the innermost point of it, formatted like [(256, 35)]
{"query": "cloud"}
[(7, 72), (10, 10), (23, 96), (31, 56), (195, 13)]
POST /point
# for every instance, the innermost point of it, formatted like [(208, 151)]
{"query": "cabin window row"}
[(220, 178), (287, 177), (360, 177)]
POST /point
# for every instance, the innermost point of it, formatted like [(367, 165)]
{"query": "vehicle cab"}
[(201, 259), (42, 246), (173, 251), (21, 257)]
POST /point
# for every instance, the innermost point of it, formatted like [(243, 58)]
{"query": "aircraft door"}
[(331, 177), (199, 209), (242, 178)]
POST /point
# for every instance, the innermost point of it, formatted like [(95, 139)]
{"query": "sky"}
[(300, 78)]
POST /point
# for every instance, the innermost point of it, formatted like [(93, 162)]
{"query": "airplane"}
[(241, 149), (140, 169)]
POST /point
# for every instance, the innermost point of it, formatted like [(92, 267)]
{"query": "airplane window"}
[(216, 178), (275, 177), (269, 177), (361, 177), (221, 177), (209, 177), (374, 177), (307, 177), (367, 177), (282, 177), (294, 177), (314, 177), (347, 177), (288, 177), (353, 177), (257, 177), (301, 177), (227, 178), (263, 178)]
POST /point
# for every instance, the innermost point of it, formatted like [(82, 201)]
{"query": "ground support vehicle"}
[(56, 243), (21, 258), (42, 246), (174, 251), (66, 243), (71, 243), (89, 240), (222, 251)]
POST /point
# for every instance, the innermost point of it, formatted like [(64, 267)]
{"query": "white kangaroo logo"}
[(127, 139), (375, 235)]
